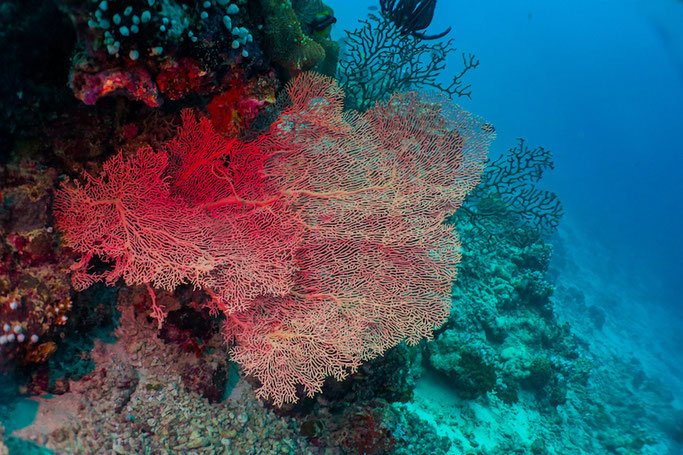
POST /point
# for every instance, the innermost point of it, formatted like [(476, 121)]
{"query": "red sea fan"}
[(209, 170), (253, 236), (372, 191), (126, 216), (138, 217), (322, 242)]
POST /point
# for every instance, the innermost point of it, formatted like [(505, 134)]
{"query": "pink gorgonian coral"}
[(322, 242)]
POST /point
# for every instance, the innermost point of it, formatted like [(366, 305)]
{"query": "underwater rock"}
[(207, 379), (35, 301), (233, 111), (134, 401), (539, 374), (597, 316), (134, 83), (3, 448), (176, 79), (466, 368)]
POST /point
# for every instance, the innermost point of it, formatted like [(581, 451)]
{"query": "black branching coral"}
[(380, 59), (509, 198), (412, 16)]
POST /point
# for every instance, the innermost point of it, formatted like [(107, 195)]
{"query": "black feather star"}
[(412, 16)]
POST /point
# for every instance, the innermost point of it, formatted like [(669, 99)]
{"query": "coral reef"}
[(316, 19), (470, 371), (211, 54), (370, 425), (287, 44), (90, 371), (503, 351), (136, 83), (504, 292), (168, 50), (151, 51), (140, 395), (233, 111), (136, 400), (297, 36), (391, 377)]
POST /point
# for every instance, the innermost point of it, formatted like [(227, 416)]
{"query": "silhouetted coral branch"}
[(508, 189), (380, 59)]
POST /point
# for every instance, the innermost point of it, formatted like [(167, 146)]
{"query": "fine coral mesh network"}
[(322, 242)]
